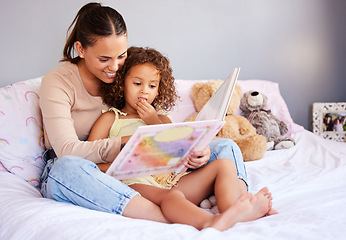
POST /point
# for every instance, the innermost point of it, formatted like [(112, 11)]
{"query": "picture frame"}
[(329, 120)]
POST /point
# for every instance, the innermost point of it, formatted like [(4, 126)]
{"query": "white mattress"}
[(308, 183)]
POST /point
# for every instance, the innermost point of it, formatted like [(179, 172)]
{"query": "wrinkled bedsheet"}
[(307, 182)]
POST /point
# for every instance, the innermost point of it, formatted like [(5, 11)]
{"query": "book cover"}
[(155, 149)]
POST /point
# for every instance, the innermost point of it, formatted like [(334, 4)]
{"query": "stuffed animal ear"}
[(243, 101), (265, 101), (198, 93)]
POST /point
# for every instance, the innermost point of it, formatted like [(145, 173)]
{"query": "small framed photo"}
[(329, 120)]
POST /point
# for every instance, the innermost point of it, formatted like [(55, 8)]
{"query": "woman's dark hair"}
[(93, 20), (113, 93)]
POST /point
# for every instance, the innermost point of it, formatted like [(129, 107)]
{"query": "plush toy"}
[(254, 107), (237, 128), (210, 205)]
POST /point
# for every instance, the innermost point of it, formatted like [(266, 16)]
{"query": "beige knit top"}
[(68, 114)]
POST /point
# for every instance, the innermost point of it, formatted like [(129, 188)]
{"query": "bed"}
[(307, 182)]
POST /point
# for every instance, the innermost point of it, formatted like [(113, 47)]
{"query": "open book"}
[(162, 148)]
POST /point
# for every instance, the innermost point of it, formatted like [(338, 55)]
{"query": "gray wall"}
[(299, 44)]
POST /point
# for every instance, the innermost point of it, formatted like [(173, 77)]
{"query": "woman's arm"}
[(68, 114)]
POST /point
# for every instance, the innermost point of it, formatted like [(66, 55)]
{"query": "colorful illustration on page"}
[(163, 149)]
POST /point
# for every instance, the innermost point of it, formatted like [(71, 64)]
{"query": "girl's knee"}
[(224, 163), (175, 193)]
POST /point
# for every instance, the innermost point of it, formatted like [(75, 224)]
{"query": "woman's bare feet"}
[(247, 208)]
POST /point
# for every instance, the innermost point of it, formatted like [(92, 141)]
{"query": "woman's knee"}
[(72, 163), (224, 148), (72, 167)]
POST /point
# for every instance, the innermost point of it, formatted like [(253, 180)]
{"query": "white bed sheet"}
[(307, 182)]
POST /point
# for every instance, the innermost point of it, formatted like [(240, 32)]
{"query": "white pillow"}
[(21, 136), (271, 89)]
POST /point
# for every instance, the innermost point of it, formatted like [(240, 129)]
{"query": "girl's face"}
[(141, 83), (104, 58)]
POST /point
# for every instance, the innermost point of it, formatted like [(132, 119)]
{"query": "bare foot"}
[(232, 215), (264, 191), (248, 207), (262, 203)]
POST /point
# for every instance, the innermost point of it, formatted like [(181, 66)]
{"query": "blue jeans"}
[(227, 148), (78, 181)]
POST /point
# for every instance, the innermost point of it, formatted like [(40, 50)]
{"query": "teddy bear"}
[(237, 128), (253, 105)]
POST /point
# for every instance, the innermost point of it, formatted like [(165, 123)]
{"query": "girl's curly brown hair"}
[(113, 93)]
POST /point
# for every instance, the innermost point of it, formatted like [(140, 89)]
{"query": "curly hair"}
[(113, 93)]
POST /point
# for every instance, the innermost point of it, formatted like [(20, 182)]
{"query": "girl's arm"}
[(100, 130), (164, 119), (102, 126)]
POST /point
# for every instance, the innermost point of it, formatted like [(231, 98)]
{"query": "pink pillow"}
[(276, 103), (21, 142), (184, 107)]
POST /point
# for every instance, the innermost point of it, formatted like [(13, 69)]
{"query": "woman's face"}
[(104, 58)]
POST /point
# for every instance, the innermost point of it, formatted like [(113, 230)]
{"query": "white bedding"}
[(307, 182)]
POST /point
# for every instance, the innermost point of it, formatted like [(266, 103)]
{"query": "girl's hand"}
[(147, 113), (198, 159)]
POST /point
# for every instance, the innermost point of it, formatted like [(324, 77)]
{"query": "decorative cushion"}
[(21, 136), (2, 168)]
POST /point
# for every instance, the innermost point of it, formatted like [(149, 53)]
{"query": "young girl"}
[(144, 86)]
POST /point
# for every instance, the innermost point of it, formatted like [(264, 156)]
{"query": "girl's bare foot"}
[(247, 208), (230, 217), (262, 204)]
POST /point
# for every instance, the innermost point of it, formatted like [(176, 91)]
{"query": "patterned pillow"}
[(2, 168), (21, 136)]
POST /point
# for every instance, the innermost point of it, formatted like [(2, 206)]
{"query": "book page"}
[(161, 148), (217, 105), (165, 148)]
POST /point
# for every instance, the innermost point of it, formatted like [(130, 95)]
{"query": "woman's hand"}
[(198, 159)]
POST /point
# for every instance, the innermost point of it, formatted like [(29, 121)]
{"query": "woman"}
[(71, 101), (70, 104)]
